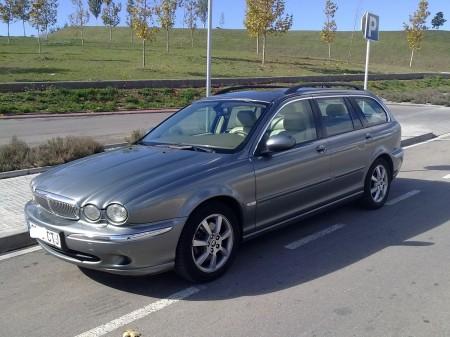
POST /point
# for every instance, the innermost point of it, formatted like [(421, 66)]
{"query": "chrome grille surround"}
[(58, 205)]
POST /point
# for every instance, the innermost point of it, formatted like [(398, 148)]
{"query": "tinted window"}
[(295, 119), (372, 111), (335, 116)]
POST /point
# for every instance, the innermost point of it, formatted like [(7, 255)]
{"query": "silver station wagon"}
[(214, 174)]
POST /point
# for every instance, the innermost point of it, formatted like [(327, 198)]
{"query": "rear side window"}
[(335, 116), (372, 111)]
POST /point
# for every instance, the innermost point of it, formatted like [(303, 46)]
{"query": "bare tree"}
[(415, 30), (37, 18), (190, 17), (328, 34), (111, 15), (7, 14), (22, 12), (202, 11), (130, 8), (79, 18)]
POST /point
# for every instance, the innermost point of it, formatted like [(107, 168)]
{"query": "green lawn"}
[(295, 53)]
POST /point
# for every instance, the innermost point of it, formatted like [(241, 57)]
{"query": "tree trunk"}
[(329, 52), (9, 38), (24, 31), (110, 33), (132, 36), (82, 37), (167, 41), (39, 42), (412, 57), (192, 38), (257, 44), (264, 50), (143, 53)]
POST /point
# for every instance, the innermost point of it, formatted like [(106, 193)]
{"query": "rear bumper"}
[(397, 161), (135, 250)]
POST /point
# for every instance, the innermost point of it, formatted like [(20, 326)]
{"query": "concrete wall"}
[(199, 83)]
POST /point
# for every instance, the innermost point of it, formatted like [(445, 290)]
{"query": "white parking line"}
[(139, 313), (402, 197), (447, 176), (312, 237), (19, 252)]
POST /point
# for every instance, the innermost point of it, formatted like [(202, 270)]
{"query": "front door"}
[(294, 180)]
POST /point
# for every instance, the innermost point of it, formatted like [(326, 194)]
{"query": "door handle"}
[(321, 148), (368, 136)]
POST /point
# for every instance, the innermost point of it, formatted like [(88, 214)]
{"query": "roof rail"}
[(323, 85), (242, 87)]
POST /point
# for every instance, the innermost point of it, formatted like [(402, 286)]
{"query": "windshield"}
[(218, 125)]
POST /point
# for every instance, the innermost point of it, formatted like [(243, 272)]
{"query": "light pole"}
[(208, 52)]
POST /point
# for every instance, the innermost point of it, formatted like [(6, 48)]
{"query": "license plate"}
[(43, 234)]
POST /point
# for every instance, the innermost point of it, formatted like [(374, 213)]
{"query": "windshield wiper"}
[(191, 148)]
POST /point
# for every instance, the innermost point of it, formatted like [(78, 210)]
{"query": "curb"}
[(22, 239), (87, 114), (17, 240)]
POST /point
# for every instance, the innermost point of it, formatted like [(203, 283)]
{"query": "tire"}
[(197, 263), (377, 192)]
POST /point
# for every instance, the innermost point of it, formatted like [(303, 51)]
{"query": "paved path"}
[(14, 193), (114, 128), (355, 273)]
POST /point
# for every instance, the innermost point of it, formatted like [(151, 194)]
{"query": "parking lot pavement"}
[(347, 272)]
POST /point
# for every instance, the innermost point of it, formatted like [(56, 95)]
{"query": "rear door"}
[(294, 180), (346, 145)]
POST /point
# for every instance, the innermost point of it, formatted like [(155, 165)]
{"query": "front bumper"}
[(135, 250)]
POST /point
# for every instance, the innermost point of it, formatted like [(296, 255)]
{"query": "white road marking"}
[(19, 252), (447, 176), (402, 197), (312, 237), (139, 313), (428, 141)]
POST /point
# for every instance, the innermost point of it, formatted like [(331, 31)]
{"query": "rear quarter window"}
[(372, 111)]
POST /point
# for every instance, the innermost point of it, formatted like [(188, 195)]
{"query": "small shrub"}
[(14, 156), (135, 136)]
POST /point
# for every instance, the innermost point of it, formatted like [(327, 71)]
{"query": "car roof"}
[(268, 96)]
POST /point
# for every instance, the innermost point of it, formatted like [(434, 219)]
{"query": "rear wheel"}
[(377, 185), (208, 243)]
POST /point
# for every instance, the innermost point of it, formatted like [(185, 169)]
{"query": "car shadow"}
[(264, 265)]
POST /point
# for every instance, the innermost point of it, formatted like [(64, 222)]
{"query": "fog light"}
[(91, 212)]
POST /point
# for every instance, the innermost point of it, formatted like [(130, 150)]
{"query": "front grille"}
[(57, 205)]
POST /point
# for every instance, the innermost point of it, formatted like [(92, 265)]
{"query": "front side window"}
[(335, 116), (218, 125), (372, 111), (295, 119)]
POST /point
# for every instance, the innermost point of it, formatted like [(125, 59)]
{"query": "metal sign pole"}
[(366, 76), (208, 52)]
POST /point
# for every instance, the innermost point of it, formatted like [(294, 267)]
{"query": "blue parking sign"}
[(371, 26)]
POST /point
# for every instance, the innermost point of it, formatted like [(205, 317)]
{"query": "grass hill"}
[(234, 54)]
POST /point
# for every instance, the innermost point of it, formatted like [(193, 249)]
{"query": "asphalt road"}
[(416, 120), (349, 272)]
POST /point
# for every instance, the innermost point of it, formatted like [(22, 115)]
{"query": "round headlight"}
[(91, 212), (116, 213)]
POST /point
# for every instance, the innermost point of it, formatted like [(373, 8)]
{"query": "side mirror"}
[(279, 143)]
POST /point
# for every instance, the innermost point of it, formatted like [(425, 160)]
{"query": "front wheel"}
[(208, 243), (377, 185)]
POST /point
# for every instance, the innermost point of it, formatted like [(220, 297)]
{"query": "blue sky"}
[(308, 14)]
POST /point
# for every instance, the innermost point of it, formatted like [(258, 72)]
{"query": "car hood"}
[(123, 174)]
